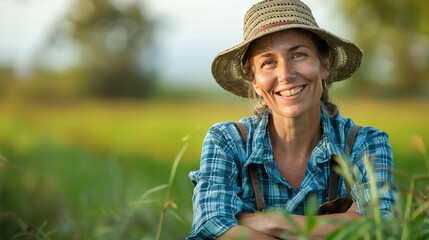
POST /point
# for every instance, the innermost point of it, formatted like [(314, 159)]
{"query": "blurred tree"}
[(114, 42), (394, 35)]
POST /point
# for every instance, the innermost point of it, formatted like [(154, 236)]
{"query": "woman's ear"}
[(256, 87)]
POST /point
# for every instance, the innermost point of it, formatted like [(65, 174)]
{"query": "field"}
[(79, 168)]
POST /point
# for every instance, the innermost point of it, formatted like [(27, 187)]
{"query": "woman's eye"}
[(268, 63), (298, 55)]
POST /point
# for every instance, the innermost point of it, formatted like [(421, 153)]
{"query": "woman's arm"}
[(244, 232), (276, 225), (216, 201), (374, 146)]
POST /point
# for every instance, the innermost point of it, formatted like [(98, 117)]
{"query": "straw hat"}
[(270, 16)]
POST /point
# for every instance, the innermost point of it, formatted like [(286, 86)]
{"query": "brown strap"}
[(352, 136), (333, 181), (257, 189), (334, 177), (253, 172), (242, 129)]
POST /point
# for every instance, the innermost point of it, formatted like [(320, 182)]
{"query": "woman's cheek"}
[(311, 69), (264, 80)]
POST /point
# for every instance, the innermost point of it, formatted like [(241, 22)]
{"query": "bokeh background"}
[(97, 95)]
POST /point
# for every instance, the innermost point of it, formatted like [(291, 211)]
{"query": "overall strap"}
[(334, 177), (242, 129), (351, 138), (257, 189), (253, 173)]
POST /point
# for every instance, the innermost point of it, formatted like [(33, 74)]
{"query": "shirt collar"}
[(324, 150)]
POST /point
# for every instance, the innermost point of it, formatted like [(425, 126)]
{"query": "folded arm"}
[(275, 225)]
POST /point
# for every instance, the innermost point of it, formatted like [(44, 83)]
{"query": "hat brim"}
[(345, 59)]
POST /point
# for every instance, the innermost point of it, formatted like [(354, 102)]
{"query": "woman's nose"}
[(286, 73)]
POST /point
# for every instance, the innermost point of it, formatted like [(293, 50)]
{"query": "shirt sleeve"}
[(374, 145), (215, 201)]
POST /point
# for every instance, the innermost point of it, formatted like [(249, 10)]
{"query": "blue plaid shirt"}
[(222, 185)]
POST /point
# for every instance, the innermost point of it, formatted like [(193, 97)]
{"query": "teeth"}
[(292, 92)]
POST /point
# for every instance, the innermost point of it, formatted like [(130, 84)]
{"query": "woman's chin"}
[(296, 111), (291, 112)]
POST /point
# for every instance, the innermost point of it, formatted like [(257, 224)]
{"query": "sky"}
[(24, 26), (193, 32)]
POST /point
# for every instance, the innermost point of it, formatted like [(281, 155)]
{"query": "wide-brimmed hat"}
[(271, 16)]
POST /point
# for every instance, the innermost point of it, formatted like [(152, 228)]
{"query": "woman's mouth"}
[(291, 92)]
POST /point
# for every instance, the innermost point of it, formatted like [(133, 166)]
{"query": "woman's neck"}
[(295, 137)]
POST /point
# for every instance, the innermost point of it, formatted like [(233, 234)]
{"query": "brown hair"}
[(323, 50)]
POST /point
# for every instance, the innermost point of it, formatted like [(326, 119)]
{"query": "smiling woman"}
[(276, 159)]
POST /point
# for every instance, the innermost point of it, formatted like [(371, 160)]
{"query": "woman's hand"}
[(276, 225), (273, 224)]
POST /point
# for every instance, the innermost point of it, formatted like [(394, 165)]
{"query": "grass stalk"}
[(167, 201), (374, 198), (407, 213)]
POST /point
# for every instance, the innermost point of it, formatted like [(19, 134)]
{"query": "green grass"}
[(401, 119), (81, 192), (77, 168)]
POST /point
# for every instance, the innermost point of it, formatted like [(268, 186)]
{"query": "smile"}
[(291, 92)]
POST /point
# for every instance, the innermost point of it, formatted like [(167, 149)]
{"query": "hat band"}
[(278, 24)]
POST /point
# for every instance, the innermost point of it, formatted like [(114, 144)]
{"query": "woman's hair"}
[(323, 49)]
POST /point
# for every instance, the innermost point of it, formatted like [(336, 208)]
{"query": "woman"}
[(288, 63)]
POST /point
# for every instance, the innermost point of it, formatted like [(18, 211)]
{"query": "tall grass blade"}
[(349, 229), (344, 170), (242, 235), (311, 211), (374, 197), (176, 216), (153, 190), (142, 201), (146, 201), (298, 231), (44, 235), (407, 213), (185, 144), (423, 209), (4, 162), (2, 158), (18, 235), (179, 156), (100, 231)]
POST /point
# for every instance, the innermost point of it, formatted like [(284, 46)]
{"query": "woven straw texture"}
[(270, 16)]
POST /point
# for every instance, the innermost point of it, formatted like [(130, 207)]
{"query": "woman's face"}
[(288, 72)]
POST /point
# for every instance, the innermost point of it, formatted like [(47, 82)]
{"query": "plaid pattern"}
[(222, 184)]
